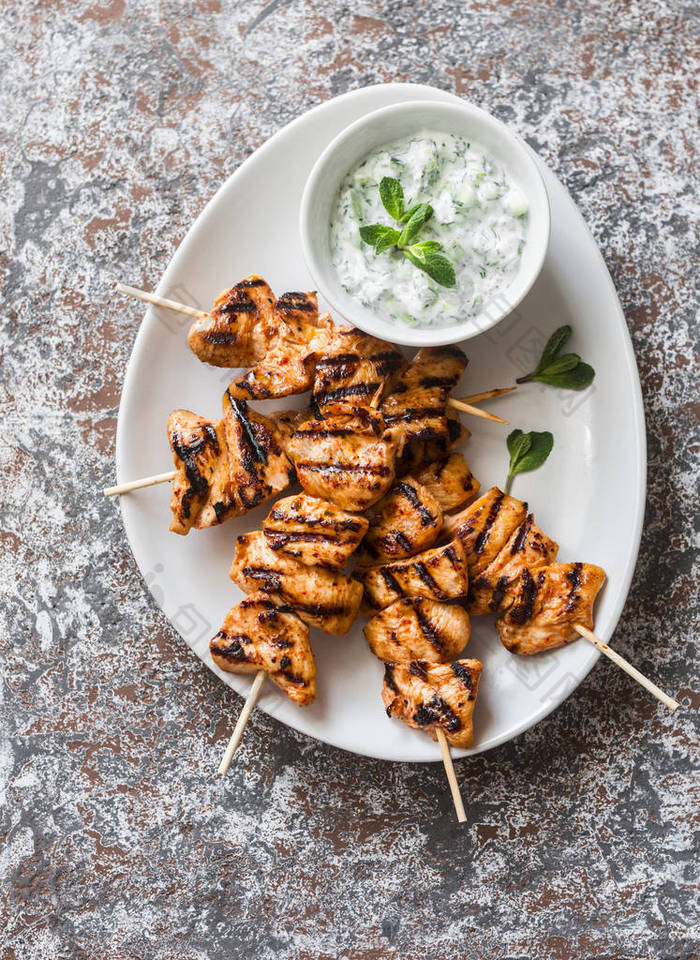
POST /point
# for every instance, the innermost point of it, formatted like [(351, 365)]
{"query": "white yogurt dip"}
[(479, 216)]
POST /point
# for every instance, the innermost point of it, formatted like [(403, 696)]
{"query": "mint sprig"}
[(426, 254), (567, 371), (528, 451)]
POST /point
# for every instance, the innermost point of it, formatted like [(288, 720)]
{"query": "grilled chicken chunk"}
[(322, 598), (548, 602), (418, 453), (354, 372), (259, 466), (349, 460), (288, 367), (485, 526), (405, 522), (262, 632), (241, 327), (223, 468), (438, 574), (199, 453), (450, 481), (418, 629), (314, 531), (428, 696), (417, 402), (528, 547)]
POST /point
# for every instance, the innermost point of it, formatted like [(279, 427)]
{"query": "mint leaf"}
[(409, 213), (391, 194), (577, 379), (432, 262), (376, 233), (421, 214), (568, 371), (527, 452), (554, 345)]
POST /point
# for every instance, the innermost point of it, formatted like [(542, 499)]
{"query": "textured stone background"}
[(119, 121)]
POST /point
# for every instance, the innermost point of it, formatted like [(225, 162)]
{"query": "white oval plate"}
[(589, 495)]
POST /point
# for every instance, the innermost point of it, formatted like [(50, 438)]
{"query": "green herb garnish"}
[(528, 451), (567, 370), (427, 254)]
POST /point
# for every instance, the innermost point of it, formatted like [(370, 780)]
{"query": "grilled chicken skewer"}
[(512, 571)]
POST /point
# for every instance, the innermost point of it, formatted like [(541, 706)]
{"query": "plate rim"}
[(626, 577)]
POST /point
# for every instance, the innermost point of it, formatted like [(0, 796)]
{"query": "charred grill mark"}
[(464, 677), (187, 452), (445, 383), (427, 519), (395, 537), (251, 282), (521, 536), (574, 578), (498, 594), (293, 301), (390, 581), (437, 711), (389, 677), (428, 630), (221, 509), (451, 555), (270, 580), (521, 612), (219, 337), (342, 393), (425, 576), (338, 526), (454, 429), (339, 360), (483, 538), (252, 449), (236, 305), (278, 539), (418, 669), (234, 649), (413, 413)]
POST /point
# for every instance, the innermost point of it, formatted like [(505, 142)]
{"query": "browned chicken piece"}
[(259, 466), (493, 590), (288, 421), (223, 468), (406, 521), (354, 372), (548, 602), (417, 401), (241, 327), (262, 632), (288, 367), (450, 481), (314, 531), (417, 453), (349, 460), (199, 453), (485, 526), (415, 628), (427, 696), (438, 574), (321, 597)]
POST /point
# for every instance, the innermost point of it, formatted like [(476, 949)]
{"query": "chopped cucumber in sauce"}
[(480, 218)]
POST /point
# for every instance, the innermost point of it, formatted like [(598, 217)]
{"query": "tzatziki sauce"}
[(479, 216)]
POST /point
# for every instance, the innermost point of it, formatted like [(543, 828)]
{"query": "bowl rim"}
[(363, 317)]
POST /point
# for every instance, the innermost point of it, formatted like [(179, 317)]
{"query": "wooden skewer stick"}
[(627, 667), (451, 778), (487, 394), (137, 484), (475, 411), (237, 734), (160, 301)]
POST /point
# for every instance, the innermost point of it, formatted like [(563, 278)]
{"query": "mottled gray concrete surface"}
[(119, 121)]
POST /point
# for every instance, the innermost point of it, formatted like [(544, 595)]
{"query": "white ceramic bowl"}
[(392, 123)]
